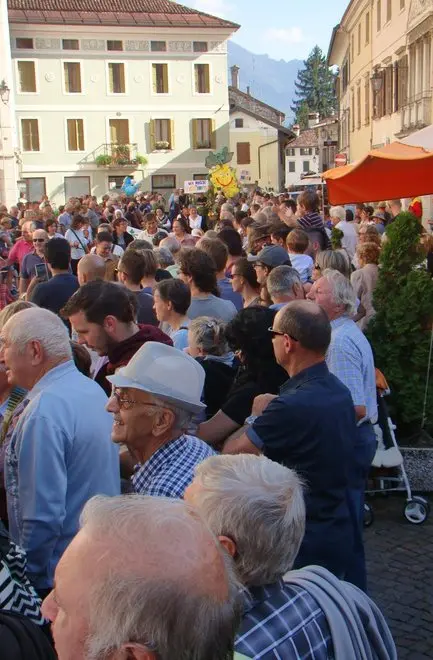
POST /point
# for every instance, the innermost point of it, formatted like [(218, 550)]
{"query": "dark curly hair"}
[(248, 332), (201, 267)]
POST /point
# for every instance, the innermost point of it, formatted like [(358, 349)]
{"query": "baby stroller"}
[(388, 473)]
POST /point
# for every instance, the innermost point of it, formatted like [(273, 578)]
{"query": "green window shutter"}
[(171, 127), (165, 78), (196, 78), (194, 133), (207, 78), (213, 134), (154, 78), (152, 134)]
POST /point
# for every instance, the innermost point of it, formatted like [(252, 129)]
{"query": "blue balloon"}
[(128, 187)]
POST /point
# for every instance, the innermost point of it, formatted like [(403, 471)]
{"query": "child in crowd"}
[(297, 245)]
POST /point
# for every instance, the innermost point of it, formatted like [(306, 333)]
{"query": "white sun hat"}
[(165, 372)]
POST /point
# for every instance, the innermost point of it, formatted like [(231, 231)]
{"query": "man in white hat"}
[(154, 400)]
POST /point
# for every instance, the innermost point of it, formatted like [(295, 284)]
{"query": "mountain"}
[(270, 81)]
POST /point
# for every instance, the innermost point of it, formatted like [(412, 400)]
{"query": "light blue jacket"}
[(60, 455)]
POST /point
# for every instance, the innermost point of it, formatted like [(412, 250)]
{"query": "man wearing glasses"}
[(35, 257), (310, 428), (154, 400)]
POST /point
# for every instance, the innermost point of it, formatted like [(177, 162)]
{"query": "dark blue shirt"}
[(55, 293), (311, 428)]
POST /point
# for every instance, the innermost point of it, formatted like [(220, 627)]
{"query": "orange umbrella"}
[(392, 172)]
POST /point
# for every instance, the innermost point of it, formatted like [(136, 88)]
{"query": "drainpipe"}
[(267, 144)]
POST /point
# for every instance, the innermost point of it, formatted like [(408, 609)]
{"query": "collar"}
[(120, 354), (253, 596), (51, 376), (147, 470), (319, 370), (337, 323)]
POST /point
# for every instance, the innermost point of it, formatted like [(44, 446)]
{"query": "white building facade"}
[(95, 96)]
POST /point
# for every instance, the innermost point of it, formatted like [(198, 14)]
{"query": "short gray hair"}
[(209, 335), (260, 505), (337, 212), (334, 260), (283, 280), (40, 325), (343, 292), (182, 418), (164, 612), (171, 244), (163, 257)]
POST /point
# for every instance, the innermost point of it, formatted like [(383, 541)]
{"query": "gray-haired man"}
[(284, 285)]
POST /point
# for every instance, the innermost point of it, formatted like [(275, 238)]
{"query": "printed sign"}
[(196, 187)]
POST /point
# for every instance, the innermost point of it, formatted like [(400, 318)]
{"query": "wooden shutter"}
[(154, 78), (212, 129), (80, 134), (196, 78), (243, 155), (152, 134), (207, 78), (27, 76), (194, 132), (165, 78), (171, 132)]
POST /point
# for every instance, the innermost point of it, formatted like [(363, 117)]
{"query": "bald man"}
[(143, 579), (91, 267)]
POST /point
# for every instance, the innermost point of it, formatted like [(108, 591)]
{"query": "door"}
[(119, 131)]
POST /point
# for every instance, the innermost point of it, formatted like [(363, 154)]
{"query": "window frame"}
[(291, 166), (78, 176), (113, 41), (125, 77), (17, 75), (160, 94), (80, 62), (32, 47), (241, 119), (72, 50), (247, 161), (378, 15), (75, 151), (30, 151), (305, 171), (112, 117), (26, 180), (367, 28), (194, 91), (168, 187), (200, 51), (388, 17), (212, 134), (158, 41)]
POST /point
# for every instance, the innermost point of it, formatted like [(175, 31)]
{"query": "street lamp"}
[(377, 80), (4, 92)]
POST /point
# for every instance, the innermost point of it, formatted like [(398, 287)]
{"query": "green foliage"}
[(336, 238), (141, 160), (314, 88), (400, 331), (102, 160)]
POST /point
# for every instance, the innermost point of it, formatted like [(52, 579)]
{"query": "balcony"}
[(417, 113), (115, 155)]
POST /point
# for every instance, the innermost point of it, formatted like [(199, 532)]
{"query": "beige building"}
[(383, 49), (257, 139), (97, 88)]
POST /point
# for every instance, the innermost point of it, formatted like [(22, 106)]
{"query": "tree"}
[(314, 88), (400, 332)]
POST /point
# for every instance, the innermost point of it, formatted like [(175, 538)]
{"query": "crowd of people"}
[(188, 409)]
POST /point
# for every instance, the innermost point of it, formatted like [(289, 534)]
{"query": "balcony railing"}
[(115, 155), (418, 112)]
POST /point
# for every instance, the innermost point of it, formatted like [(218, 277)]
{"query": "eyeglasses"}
[(39, 240), (317, 267), (127, 404), (278, 333)]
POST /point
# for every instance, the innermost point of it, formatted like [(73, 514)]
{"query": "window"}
[(114, 45), (202, 79), (367, 28), (345, 75), (352, 110), (70, 44), (76, 186), (24, 43), (161, 134), (306, 151), (158, 46), (291, 151), (203, 134), (388, 10), (379, 14), (30, 134), (26, 77), (402, 4), (199, 46), (160, 78), (352, 48), (243, 155), (359, 38), (358, 107), (119, 131), (35, 188), (165, 181), (305, 166), (75, 134), (388, 89), (116, 78), (72, 74), (402, 81), (367, 100), (292, 166), (115, 182), (200, 177), (239, 122)]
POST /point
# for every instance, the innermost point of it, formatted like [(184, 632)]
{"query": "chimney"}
[(248, 90), (296, 129), (313, 119), (235, 76)]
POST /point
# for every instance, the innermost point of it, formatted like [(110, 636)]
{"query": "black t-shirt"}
[(145, 313), (55, 293), (218, 381)]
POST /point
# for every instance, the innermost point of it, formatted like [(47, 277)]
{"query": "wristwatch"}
[(251, 419)]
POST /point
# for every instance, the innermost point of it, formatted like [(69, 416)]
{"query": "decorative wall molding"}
[(143, 46), (93, 44), (180, 46), (218, 46), (47, 44)]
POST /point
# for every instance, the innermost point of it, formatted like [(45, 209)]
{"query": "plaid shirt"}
[(350, 358), (283, 621), (170, 470)]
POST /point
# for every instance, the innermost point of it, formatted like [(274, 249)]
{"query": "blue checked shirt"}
[(283, 621), (170, 470), (350, 358)]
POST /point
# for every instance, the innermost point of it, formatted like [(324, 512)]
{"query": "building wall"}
[(8, 140), (139, 104), (300, 164), (256, 133)]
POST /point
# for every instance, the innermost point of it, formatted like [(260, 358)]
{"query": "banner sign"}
[(196, 187)]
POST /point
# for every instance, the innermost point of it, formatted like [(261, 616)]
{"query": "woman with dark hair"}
[(247, 334), (197, 269), (172, 299), (234, 245), (121, 236), (77, 240), (182, 232), (244, 281)]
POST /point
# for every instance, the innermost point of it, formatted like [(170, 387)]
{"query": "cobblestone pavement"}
[(400, 574)]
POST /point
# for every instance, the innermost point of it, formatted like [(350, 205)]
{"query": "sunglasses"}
[(278, 333), (39, 240)]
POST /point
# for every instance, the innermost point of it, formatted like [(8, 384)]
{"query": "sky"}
[(282, 29)]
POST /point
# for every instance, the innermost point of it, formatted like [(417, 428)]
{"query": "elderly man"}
[(33, 259), (91, 267), (143, 579), (24, 245), (350, 358), (256, 509), (284, 285), (60, 453), (310, 426), (154, 400)]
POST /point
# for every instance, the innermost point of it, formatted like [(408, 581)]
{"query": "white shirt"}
[(303, 263), (144, 236), (76, 236), (195, 223), (350, 238), (117, 251)]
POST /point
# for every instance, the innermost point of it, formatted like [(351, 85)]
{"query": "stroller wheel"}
[(417, 510), (368, 515)]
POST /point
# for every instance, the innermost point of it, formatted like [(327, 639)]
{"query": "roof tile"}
[(307, 138)]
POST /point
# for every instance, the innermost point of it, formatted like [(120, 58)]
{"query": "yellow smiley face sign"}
[(223, 177)]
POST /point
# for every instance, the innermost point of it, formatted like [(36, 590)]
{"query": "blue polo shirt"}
[(311, 428)]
